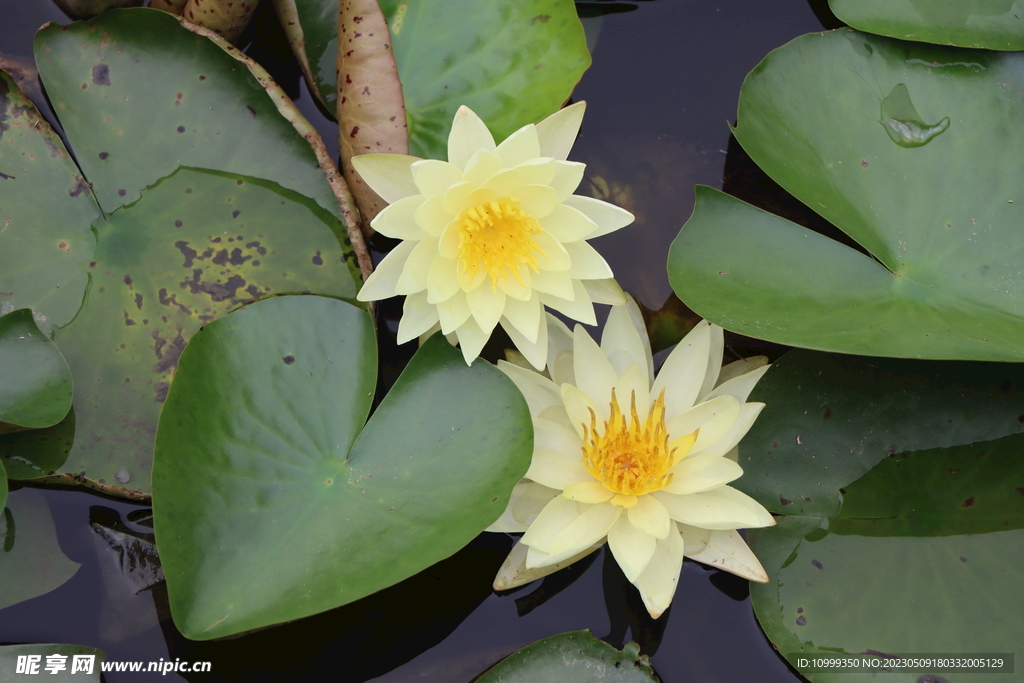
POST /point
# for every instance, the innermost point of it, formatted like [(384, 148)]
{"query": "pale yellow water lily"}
[(640, 462), (492, 235)]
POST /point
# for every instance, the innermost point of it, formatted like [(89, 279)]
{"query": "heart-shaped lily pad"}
[(991, 24), (35, 382), (576, 657), (270, 504), (513, 63), (912, 150), (888, 468), (213, 200)]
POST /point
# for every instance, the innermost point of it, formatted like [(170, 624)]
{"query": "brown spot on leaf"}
[(827, 415), (288, 360), (801, 620), (104, 155), (784, 500), (138, 303), (127, 320), (542, 18), (317, 261), (816, 564), (968, 503), (101, 74), (355, 130)]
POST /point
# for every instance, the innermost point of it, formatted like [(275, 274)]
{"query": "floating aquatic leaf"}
[(316, 509), (35, 382), (991, 24), (576, 657), (938, 211), (888, 468)]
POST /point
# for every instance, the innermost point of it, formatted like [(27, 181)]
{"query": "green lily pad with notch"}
[(140, 96), (46, 208), (89, 657), (512, 63), (576, 657), (35, 381), (902, 483), (285, 505), (912, 150), (31, 561), (36, 453), (989, 24)]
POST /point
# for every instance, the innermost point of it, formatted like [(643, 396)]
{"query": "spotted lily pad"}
[(991, 24), (914, 151), (300, 508), (888, 468), (212, 200), (35, 382)]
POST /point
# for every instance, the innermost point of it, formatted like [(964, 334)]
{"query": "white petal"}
[(606, 292), (481, 168), (417, 267), (555, 257), (716, 349), (389, 175), (556, 284), (764, 518), (588, 491), (580, 308), (744, 421), (434, 177), (657, 584), (471, 340), (741, 386), (432, 217), (701, 473), (608, 217), (586, 530), (622, 344), (566, 224), (505, 182), (525, 503), (520, 146), (549, 435), (632, 548), (566, 178), (557, 471), (539, 171), (536, 200), (398, 220), (727, 550), (523, 291), (442, 280), (560, 363), (587, 264), (713, 418), (683, 372), (650, 516), (513, 572), (487, 306), (708, 511), (695, 539), (557, 133), (382, 281), (418, 316), (469, 135), (525, 316), (555, 517), (578, 407), (595, 376), (452, 312), (456, 199), (540, 392), (535, 352), (741, 367)]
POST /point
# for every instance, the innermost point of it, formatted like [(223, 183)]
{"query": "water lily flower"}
[(492, 235), (639, 461)]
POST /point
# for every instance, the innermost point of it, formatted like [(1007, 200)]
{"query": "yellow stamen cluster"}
[(630, 457), (496, 236)]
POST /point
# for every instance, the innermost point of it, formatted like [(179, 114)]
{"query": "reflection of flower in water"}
[(639, 461), (492, 235)]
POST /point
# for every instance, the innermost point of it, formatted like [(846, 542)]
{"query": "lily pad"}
[(69, 663), (46, 208), (512, 63), (31, 563), (576, 657), (199, 219), (35, 382), (888, 468), (990, 24), (36, 453), (297, 510), (914, 152)]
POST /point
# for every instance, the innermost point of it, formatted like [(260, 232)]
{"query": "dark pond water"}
[(664, 83)]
